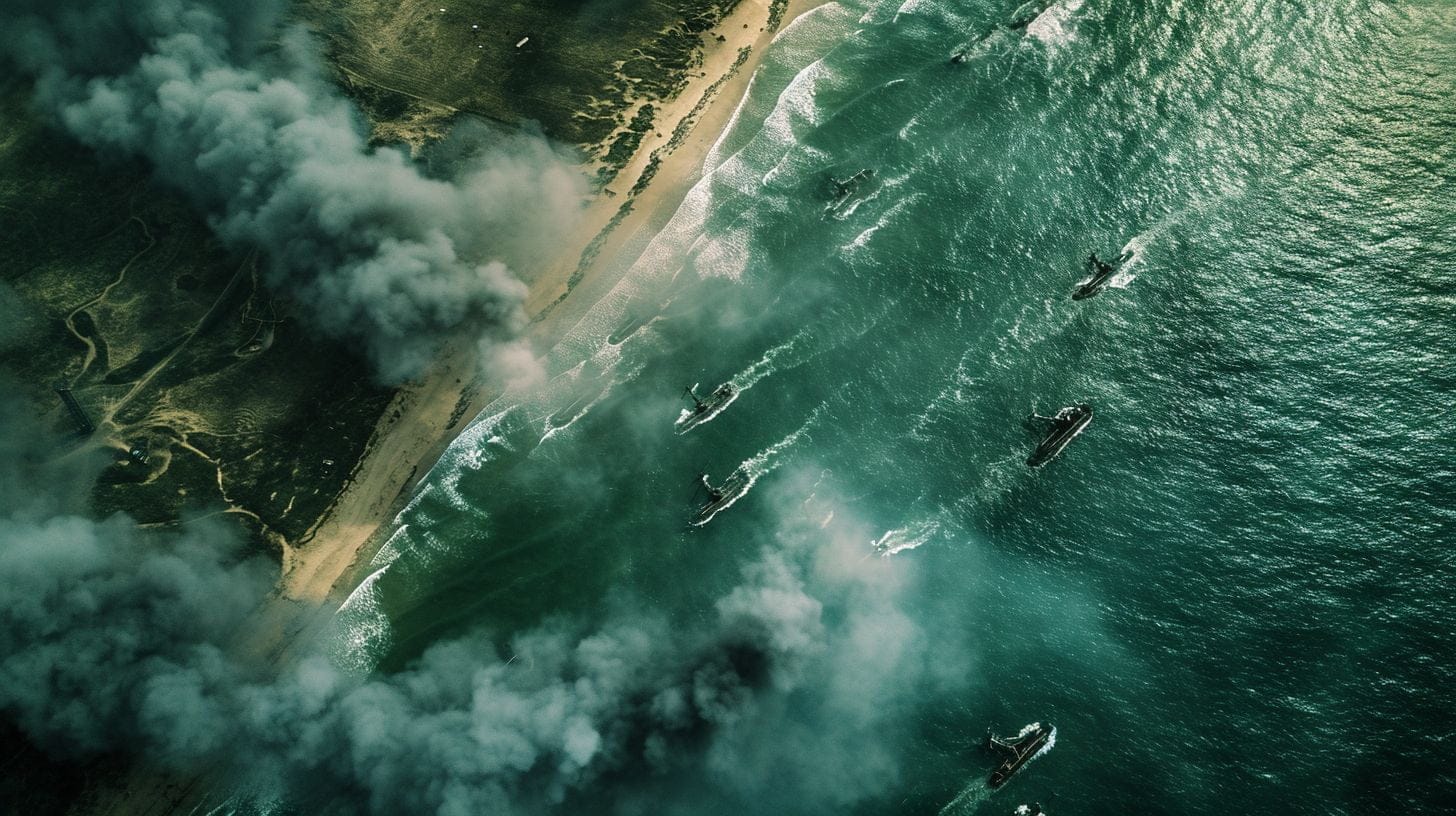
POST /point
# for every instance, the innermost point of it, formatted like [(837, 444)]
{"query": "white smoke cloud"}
[(790, 690), (233, 109)]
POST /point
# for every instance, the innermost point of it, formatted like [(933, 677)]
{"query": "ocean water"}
[(1231, 595)]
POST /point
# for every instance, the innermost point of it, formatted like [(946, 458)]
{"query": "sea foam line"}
[(765, 462)]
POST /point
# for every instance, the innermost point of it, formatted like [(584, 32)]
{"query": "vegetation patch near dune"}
[(576, 67), (246, 412)]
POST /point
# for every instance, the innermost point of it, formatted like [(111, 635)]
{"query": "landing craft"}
[(1065, 426), (845, 189), (566, 415), (1102, 273), (1020, 19), (719, 497), (1033, 740), (705, 409), (627, 329)]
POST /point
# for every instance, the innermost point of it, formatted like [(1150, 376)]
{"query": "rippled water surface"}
[(1232, 593)]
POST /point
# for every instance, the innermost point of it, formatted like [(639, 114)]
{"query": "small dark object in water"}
[(705, 409), (1066, 425), (1019, 751), (1102, 273), (844, 189)]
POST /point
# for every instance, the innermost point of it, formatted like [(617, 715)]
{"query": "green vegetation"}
[(170, 345), (583, 64)]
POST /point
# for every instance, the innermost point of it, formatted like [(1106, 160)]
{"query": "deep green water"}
[(1232, 594)]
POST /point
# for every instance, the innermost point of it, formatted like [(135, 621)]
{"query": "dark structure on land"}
[(78, 416)]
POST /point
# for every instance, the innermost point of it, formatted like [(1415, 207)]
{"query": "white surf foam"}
[(747, 474), (1054, 26), (862, 240), (905, 538), (363, 629)]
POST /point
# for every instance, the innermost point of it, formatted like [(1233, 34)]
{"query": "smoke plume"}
[(232, 107), (788, 690), (783, 695)]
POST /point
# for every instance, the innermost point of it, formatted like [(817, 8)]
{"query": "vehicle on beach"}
[(1017, 751), (1066, 424), (705, 409), (1102, 274)]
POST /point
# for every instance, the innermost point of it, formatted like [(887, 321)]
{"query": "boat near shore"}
[(703, 409)]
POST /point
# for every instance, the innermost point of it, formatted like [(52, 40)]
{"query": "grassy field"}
[(577, 75), (247, 412)]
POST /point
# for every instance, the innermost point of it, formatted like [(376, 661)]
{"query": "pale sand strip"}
[(429, 413), (320, 572)]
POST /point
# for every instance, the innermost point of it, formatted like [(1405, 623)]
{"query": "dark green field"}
[(111, 278), (574, 76)]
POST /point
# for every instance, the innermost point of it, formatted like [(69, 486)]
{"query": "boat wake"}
[(905, 538), (1051, 740), (978, 790), (747, 474), (1053, 26), (968, 800), (1127, 272)]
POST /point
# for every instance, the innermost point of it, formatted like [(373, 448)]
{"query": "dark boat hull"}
[(1060, 438), (1102, 275), (1094, 286), (721, 398), (1030, 743)]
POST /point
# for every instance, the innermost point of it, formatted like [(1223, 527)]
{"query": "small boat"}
[(1033, 809), (705, 409), (1016, 752), (1065, 426), (1102, 273), (1021, 19), (567, 415), (720, 497), (845, 189), (627, 329)]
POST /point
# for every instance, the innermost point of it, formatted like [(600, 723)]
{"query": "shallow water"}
[(1231, 594)]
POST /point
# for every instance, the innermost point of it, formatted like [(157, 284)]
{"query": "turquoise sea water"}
[(1232, 594)]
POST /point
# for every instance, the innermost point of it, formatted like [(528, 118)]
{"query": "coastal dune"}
[(428, 413), (323, 567)]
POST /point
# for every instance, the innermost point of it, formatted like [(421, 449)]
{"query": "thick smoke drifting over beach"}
[(784, 692), (232, 108)]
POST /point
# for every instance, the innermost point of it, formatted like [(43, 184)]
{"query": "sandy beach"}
[(324, 568)]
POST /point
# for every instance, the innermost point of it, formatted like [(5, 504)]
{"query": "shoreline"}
[(426, 416), (334, 557)]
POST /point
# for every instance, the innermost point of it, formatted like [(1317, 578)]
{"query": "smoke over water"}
[(790, 687), (113, 639), (232, 107)]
